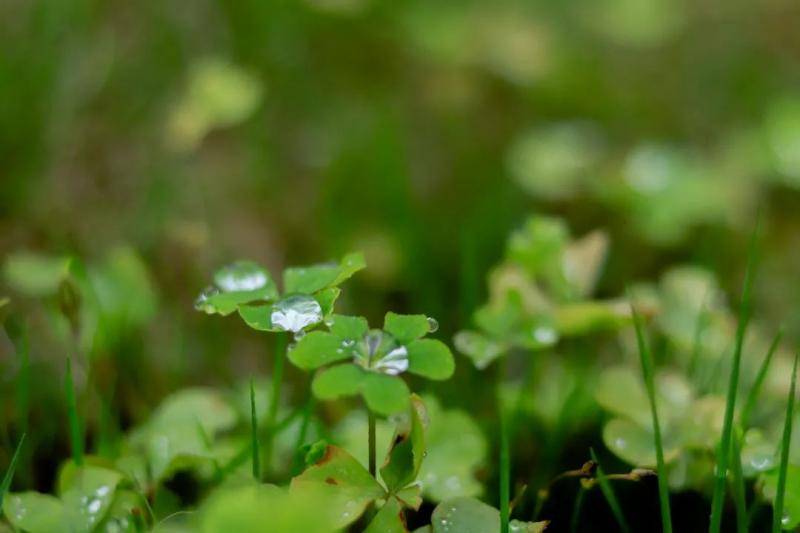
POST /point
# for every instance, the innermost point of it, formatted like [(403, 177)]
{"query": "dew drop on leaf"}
[(241, 276), (295, 313), (433, 324)]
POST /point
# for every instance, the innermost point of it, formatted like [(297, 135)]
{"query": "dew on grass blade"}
[(294, 313)]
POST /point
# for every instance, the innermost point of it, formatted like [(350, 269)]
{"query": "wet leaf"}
[(88, 497), (468, 515), (318, 349), (341, 474), (35, 512), (456, 450), (236, 284), (313, 278), (791, 502), (635, 444), (348, 328)]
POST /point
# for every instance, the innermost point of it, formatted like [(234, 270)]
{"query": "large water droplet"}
[(433, 324), (295, 313), (241, 276), (393, 363)]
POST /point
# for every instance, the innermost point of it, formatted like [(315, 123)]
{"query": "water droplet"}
[(241, 276), (201, 303), (347, 343), (433, 324), (545, 335), (393, 363), (295, 313)]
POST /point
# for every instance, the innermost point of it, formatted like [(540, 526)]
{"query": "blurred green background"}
[(169, 138)]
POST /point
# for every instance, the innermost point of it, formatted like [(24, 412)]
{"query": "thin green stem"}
[(648, 371), (576, 509), (371, 443), (723, 453), (739, 498), (281, 341), (780, 491), (611, 497), (75, 431), (755, 390), (256, 452), (9, 475)]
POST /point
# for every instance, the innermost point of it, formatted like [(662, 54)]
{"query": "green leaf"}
[(384, 394), (390, 519), (408, 449), (456, 449), (634, 444), (327, 299), (791, 503), (89, 496), (468, 515), (35, 512), (406, 328), (430, 358), (410, 496), (177, 434), (267, 509), (310, 279), (211, 301), (479, 348), (317, 349), (581, 318), (339, 471), (126, 514), (257, 316), (35, 274), (351, 328), (620, 391), (338, 381)]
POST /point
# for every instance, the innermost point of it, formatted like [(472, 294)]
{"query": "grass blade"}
[(755, 391), (647, 370), (608, 492), (10, 472), (75, 432), (723, 453), (575, 519), (505, 472), (780, 492), (739, 498), (254, 434)]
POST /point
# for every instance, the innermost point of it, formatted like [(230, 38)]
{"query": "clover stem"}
[(281, 341), (371, 442)]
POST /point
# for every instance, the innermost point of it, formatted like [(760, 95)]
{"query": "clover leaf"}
[(468, 515), (308, 297), (540, 293), (374, 359)]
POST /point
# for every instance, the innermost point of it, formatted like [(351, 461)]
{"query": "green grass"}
[(75, 430), (256, 451), (281, 342), (738, 483), (610, 496), (9, 475), (724, 450), (648, 372), (780, 493), (755, 390)]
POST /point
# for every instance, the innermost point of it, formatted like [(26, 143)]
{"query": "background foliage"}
[(158, 141)]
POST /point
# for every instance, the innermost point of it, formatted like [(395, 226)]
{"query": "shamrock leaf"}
[(408, 450), (340, 475), (390, 519), (468, 515), (376, 358), (310, 279)]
